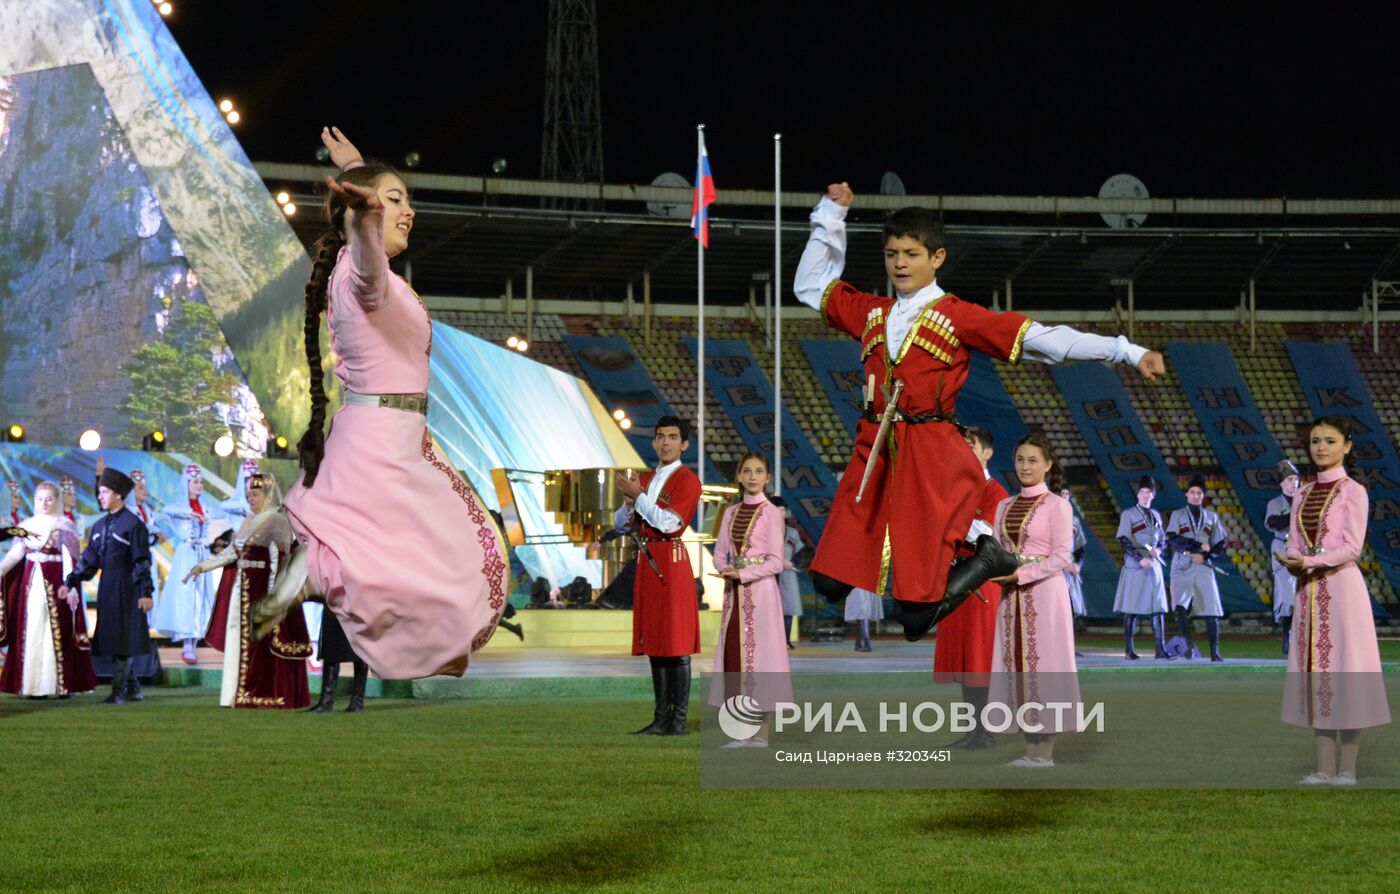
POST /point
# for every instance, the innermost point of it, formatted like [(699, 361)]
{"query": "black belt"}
[(911, 418)]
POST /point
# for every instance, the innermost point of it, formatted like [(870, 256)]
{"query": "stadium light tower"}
[(573, 118)]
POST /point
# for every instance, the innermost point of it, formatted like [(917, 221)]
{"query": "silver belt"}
[(43, 557), (747, 561), (412, 403), (251, 563)]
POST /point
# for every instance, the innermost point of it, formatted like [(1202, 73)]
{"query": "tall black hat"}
[(1197, 480), (1147, 481), (1286, 468), (117, 482)]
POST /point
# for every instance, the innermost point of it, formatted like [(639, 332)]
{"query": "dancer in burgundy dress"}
[(268, 673), (49, 650)]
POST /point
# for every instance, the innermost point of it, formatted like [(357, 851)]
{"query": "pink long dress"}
[(1334, 662), (751, 655), (401, 546), (1033, 652)]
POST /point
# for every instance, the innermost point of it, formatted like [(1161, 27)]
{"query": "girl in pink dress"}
[(398, 544), (1334, 682), (751, 656), (1033, 651)]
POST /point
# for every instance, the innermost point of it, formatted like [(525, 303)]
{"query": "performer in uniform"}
[(1196, 537), (70, 506), (1278, 516), (788, 587), (864, 608), (751, 654), (238, 507), (665, 617), (1334, 683), (1141, 590), (16, 509), (182, 614), (925, 485), (1033, 650), (963, 652), (49, 650), (270, 673), (119, 548), (416, 573), (1074, 580)]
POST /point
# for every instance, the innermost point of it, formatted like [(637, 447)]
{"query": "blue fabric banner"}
[(621, 381), (1124, 453), (1236, 430), (740, 386), (1333, 386), (839, 371)]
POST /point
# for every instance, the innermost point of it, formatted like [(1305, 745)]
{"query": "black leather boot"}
[(330, 675), (133, 687), (1213, 634), (919, 618), (1129, 631), (357, 690), (680, 697), (978, 738), (830, 588), (1159, 636), (120, 669), (989, 561), (1183, 620), (1287, 634), (518, 630), (660, 687)]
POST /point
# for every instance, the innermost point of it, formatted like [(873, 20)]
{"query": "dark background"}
[(1192, 101)]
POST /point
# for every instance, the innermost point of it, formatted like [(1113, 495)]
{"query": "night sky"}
[(998, 101)]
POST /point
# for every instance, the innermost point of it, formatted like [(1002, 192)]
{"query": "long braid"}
[(312, 446)]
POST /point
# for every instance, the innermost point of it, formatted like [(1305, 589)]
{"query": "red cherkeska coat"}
[(926, 486), (665, 612), (963, 653)]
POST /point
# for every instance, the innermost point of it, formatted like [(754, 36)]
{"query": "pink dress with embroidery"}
[(1334, 662), (401, 546), (1033, 651), (752, 643)]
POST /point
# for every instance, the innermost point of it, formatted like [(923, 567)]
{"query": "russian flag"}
[(704, 196)]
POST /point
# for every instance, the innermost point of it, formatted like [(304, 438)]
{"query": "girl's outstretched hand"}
[(343, 152), (359, 198)]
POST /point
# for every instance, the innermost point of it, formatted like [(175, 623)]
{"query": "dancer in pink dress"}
[(416, 572), (751, 656), (1334, 682), (1033, 652)]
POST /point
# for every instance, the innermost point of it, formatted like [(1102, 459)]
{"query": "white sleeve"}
[(978, 528), (663, 520), (825, 255), (622, 517), (1056, 344)]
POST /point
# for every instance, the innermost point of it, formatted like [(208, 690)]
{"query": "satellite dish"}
[(891, 185), (665, 209), (1123, 186)]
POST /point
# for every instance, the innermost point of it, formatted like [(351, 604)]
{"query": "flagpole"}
[(778, 314), (700, 293)]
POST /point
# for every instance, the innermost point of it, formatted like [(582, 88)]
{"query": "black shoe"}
[(679, 688), (514, 628), (330, 675), (661, 714), (982, 741), (919, 618), (133, 688), (989, 561), (357, 689), (965, 743), (120, 673)]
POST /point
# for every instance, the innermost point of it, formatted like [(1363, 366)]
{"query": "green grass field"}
[(550, 794)]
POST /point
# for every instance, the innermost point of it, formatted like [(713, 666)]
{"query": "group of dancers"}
[(911, 511)]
